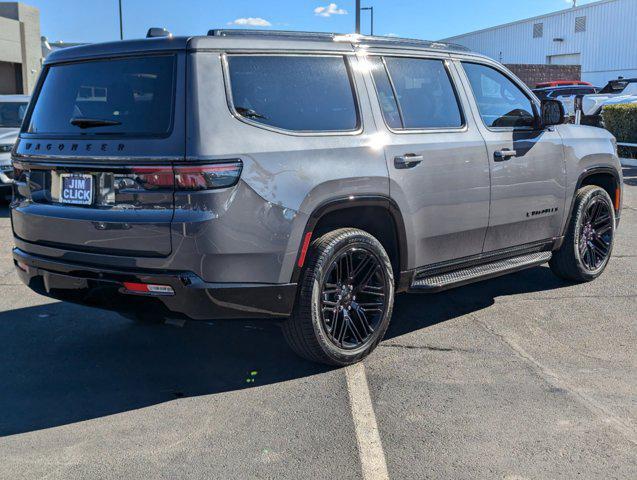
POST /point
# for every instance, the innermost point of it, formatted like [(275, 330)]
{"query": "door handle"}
[(408, 160), (504, 154)]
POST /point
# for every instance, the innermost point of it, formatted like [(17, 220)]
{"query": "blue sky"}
[(97, 20)]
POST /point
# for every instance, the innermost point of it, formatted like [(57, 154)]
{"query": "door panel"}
[(527, 164), (445, 197), (438, 169), (527, 190)]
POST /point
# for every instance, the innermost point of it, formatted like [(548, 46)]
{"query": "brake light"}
[(152, 289), (154, 177), (189, 177), (203, 177)]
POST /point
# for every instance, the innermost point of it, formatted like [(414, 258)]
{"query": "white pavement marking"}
[(370, 448)]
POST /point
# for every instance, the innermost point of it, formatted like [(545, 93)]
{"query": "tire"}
[(329, 324), (579, 260)]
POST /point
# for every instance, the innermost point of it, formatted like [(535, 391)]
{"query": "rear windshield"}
[(127, 96)]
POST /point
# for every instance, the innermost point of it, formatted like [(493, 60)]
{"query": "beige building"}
[(20, 47)]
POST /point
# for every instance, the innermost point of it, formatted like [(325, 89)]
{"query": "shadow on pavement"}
[(62, 363), (416, 311), (4, 208)]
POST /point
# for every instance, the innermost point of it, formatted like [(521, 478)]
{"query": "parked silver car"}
[(12, 110), (300, 176)]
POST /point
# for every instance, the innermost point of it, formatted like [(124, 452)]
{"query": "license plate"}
[(76, 189)]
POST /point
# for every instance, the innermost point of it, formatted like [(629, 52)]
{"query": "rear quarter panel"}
[(255, 234)]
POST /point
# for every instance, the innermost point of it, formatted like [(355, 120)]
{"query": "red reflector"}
[(149, 288), (304, 247), (618, 196)]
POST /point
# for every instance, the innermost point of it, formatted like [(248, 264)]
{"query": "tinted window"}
[(131, 96), (424, 93), (385, 93), (302, 93), (12, 114), (500, 101)]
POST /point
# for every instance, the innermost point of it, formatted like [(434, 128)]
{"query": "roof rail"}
[(338, 37)]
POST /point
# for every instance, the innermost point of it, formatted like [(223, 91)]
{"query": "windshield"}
[(126, 96), (616, 86), (12, 114)]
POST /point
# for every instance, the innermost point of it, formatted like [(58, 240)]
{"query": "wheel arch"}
[(367, 212), (604, 177)]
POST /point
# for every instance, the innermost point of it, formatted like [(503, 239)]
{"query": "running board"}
[(435, 282)]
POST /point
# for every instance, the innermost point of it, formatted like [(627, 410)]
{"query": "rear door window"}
[(125, 96), (302, 93), (416, 93), (500, 101)]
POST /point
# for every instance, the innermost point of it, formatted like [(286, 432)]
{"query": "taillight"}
[(153, 177), (186, 177), (203, 177)]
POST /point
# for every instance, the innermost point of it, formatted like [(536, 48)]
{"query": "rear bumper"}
[(193, 298)]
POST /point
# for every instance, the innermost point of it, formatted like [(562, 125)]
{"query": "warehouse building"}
[(599, 37), (20, 48)]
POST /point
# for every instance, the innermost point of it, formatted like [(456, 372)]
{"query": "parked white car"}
[(12, 111), (615, 92)]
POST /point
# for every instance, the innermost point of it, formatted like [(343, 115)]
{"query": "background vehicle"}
[(563, 83), (614, 92), (299, 176), (565, 94), (12, 110)]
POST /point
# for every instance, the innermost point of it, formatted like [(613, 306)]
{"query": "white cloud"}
[(391, 35), (329, 10), (251, 21)]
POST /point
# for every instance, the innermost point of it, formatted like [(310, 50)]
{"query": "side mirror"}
[(553, 113)]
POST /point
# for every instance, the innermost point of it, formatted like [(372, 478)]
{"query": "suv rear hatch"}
[(94, 162)]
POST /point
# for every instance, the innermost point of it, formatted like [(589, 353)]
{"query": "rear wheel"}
[(345, 299), (589, 239)]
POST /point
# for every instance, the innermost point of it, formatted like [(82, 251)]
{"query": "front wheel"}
[(589, 239), (345, 299)]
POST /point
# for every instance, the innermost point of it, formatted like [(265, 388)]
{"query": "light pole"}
[(121, 25), (371, 9), (357, 29)]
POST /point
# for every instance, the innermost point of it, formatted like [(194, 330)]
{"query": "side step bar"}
[(435, 282)]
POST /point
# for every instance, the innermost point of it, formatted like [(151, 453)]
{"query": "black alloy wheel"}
[(596, 235), (589, 236), (353, 297), (345, 298)]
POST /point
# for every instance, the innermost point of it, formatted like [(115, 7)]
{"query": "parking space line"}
[(370, 448)]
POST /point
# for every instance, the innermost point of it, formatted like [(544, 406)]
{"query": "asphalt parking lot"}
[(521, 377)]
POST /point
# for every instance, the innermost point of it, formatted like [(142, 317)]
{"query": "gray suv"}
[(307, 177)]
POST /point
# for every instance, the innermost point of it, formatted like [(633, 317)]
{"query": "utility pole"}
[(121, 25), (358, 16), (371, 9)]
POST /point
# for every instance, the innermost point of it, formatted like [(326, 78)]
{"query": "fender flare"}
[(583, 176), (351, 201)]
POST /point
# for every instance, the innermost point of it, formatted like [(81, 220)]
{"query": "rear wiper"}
[(249, 113), (93, 122)]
